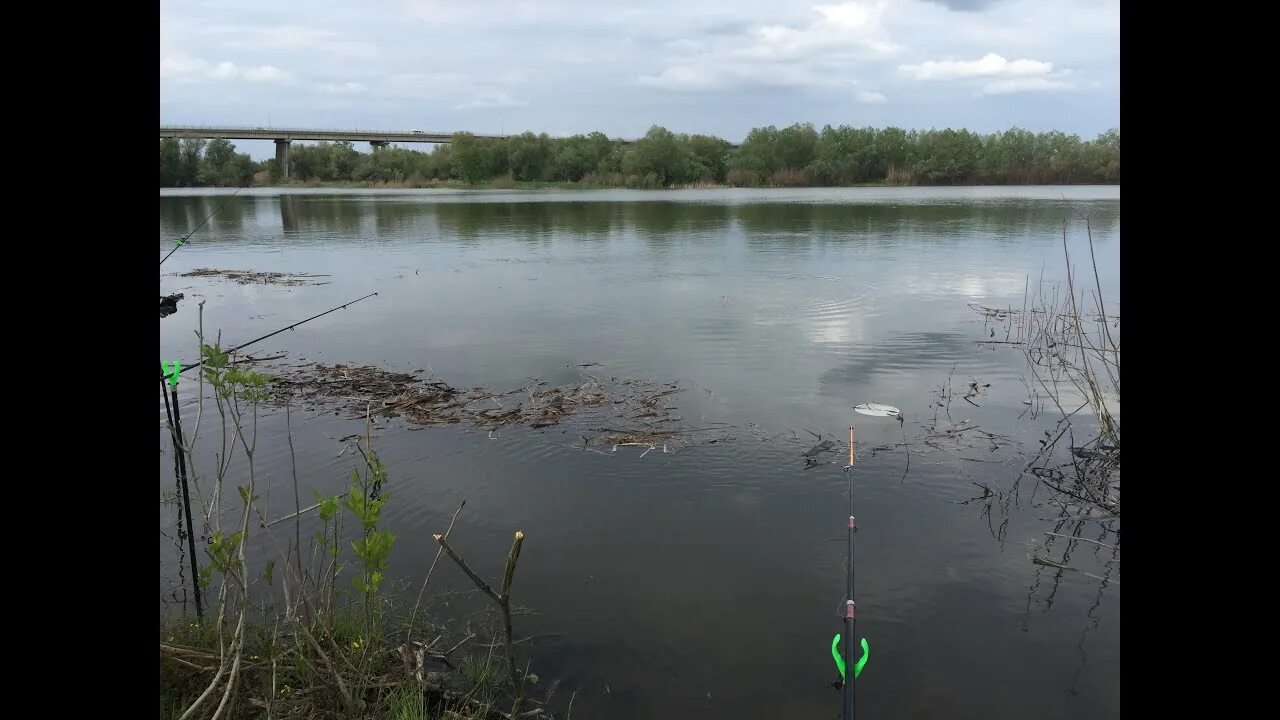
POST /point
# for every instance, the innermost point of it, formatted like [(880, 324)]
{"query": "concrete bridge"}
[(284, 136)]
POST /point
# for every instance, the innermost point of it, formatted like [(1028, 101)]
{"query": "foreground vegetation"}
[(794, 156), (290, 623)]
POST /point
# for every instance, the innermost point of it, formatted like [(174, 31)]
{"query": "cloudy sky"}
[(713, 66)]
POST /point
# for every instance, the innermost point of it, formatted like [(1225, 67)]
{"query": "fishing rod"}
[(173, 372), (180, 471), (849, 610), (187, 237)]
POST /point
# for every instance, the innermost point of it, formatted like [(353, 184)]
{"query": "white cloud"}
[(346, 88), (990, 65), (870, 98), (684, 77), (820, 51), (1003, 76), (456, 90), (1016, 85), (265, 74), (490, 99), (292, 38), (183, 68)]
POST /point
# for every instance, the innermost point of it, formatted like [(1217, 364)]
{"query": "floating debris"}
[(629, 412), (169, 304), (251, 277), (822, 447)]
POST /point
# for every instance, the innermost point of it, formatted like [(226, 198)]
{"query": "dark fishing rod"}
[(850, 615), (848, 611), (277, 332), (180, 470), (187, 237)]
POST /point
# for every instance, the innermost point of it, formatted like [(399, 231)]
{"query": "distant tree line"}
[(793, 156), (198, 162)]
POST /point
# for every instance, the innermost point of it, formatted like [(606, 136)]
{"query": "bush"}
[(740, 177), (899, 176), (789, 177)]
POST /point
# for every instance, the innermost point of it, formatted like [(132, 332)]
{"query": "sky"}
[(718, 67)]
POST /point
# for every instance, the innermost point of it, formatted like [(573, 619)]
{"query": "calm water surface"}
[(703, 583)]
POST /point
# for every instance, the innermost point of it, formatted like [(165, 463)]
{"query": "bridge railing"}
[(331, 131)]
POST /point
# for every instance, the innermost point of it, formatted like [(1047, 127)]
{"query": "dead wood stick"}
[(530, 638), (450, 651), (1059, 566), (480, 583), (512, 557), (180, 661), (503, 601), (295, 514), (257, 359), (1072, 537)]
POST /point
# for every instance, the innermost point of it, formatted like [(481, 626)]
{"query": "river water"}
[(701, 583)]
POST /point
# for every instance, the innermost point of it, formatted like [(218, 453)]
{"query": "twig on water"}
[(1059, 566), (1073, 537)]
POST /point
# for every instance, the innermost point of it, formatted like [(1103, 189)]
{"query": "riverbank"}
[(508, 184)]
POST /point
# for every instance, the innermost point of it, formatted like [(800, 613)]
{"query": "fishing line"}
[(242, 346), (182, 240)]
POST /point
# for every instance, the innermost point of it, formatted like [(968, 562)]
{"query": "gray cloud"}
[(965, 5), (720, 66)]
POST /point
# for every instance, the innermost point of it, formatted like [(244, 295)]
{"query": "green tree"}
[(476, 160), (846, 155), (189, 162), (794, 146), (665, 155), (794, 155), (756, 156), (529, 156), (712, 154), (170, 162), (216, 167), (574, 157), (1101, 157), (947, 157)]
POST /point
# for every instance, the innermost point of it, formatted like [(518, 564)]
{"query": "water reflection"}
[(781, 310), (431, 214)]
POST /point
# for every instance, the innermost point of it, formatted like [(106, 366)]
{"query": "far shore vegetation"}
[(795, 156)]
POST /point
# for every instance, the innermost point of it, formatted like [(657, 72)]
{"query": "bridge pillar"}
[(282, 157), (378, 144)]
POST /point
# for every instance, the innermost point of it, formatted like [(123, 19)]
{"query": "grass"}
[(406, 703), (283, 637), (282, 678)]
